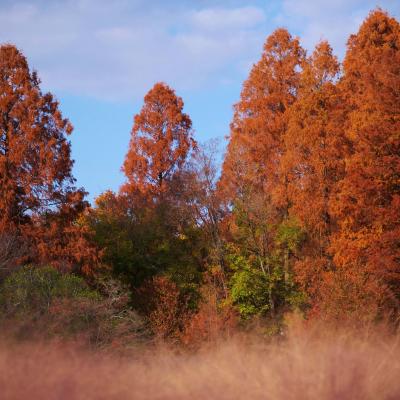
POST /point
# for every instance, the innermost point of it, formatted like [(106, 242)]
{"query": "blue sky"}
[(100, 57)]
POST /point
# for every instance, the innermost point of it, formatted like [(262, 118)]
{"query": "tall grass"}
[(308, 364)]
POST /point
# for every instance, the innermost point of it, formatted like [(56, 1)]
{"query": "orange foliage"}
[(368, 200), (325, 149), (161, 141), (260, 119), (313, 162), (212, 322), (307, 143), (164, 306), (313, 142), (38, 200)]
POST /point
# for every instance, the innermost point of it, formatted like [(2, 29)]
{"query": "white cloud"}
[(118, 49), (216, 19), (331, 20)]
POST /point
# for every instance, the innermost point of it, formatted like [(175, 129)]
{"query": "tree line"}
[(303, 215)]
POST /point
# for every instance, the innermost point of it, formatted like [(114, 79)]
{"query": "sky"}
[(100, 57)]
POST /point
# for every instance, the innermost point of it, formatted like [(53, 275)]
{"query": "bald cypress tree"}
[(367, 245), (38, 199), (313, 162), (161, 142), (260, 118)]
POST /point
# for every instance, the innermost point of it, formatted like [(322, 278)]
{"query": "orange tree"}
[(366, 246), (252, 180), (39, 203), (161, 141), (313, 162), (148, 230)]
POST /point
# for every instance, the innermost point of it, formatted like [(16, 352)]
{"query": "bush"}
[(215, 320), (164, 306), (43, 303), (32, 290)]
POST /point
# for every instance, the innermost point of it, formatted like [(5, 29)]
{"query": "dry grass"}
[(309, 364)]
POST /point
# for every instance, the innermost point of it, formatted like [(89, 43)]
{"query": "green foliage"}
[(297, 299), (44, 303), (259, 259), (250, 292), (289, 235), (32, 289), (141, 240), (255, 291), (127, 239)]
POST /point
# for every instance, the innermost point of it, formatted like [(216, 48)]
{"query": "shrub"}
[(214, 320), (164, 305), (44, 303), (32, 290)]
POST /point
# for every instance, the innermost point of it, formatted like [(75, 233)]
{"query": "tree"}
[(146, 247), (133, 237), (12, 249), (38, 199), (367, 204), (313, 162), (205, 205), (252, 178), (260, 118), (161, 141)]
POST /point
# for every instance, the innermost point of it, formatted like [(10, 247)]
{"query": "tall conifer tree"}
[(38, 200), (367, 244), (161, 141), (313, 162)]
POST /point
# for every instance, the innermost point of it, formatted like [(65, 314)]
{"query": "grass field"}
[(305, 365)]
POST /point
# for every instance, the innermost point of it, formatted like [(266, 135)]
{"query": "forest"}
[(284, 260)]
